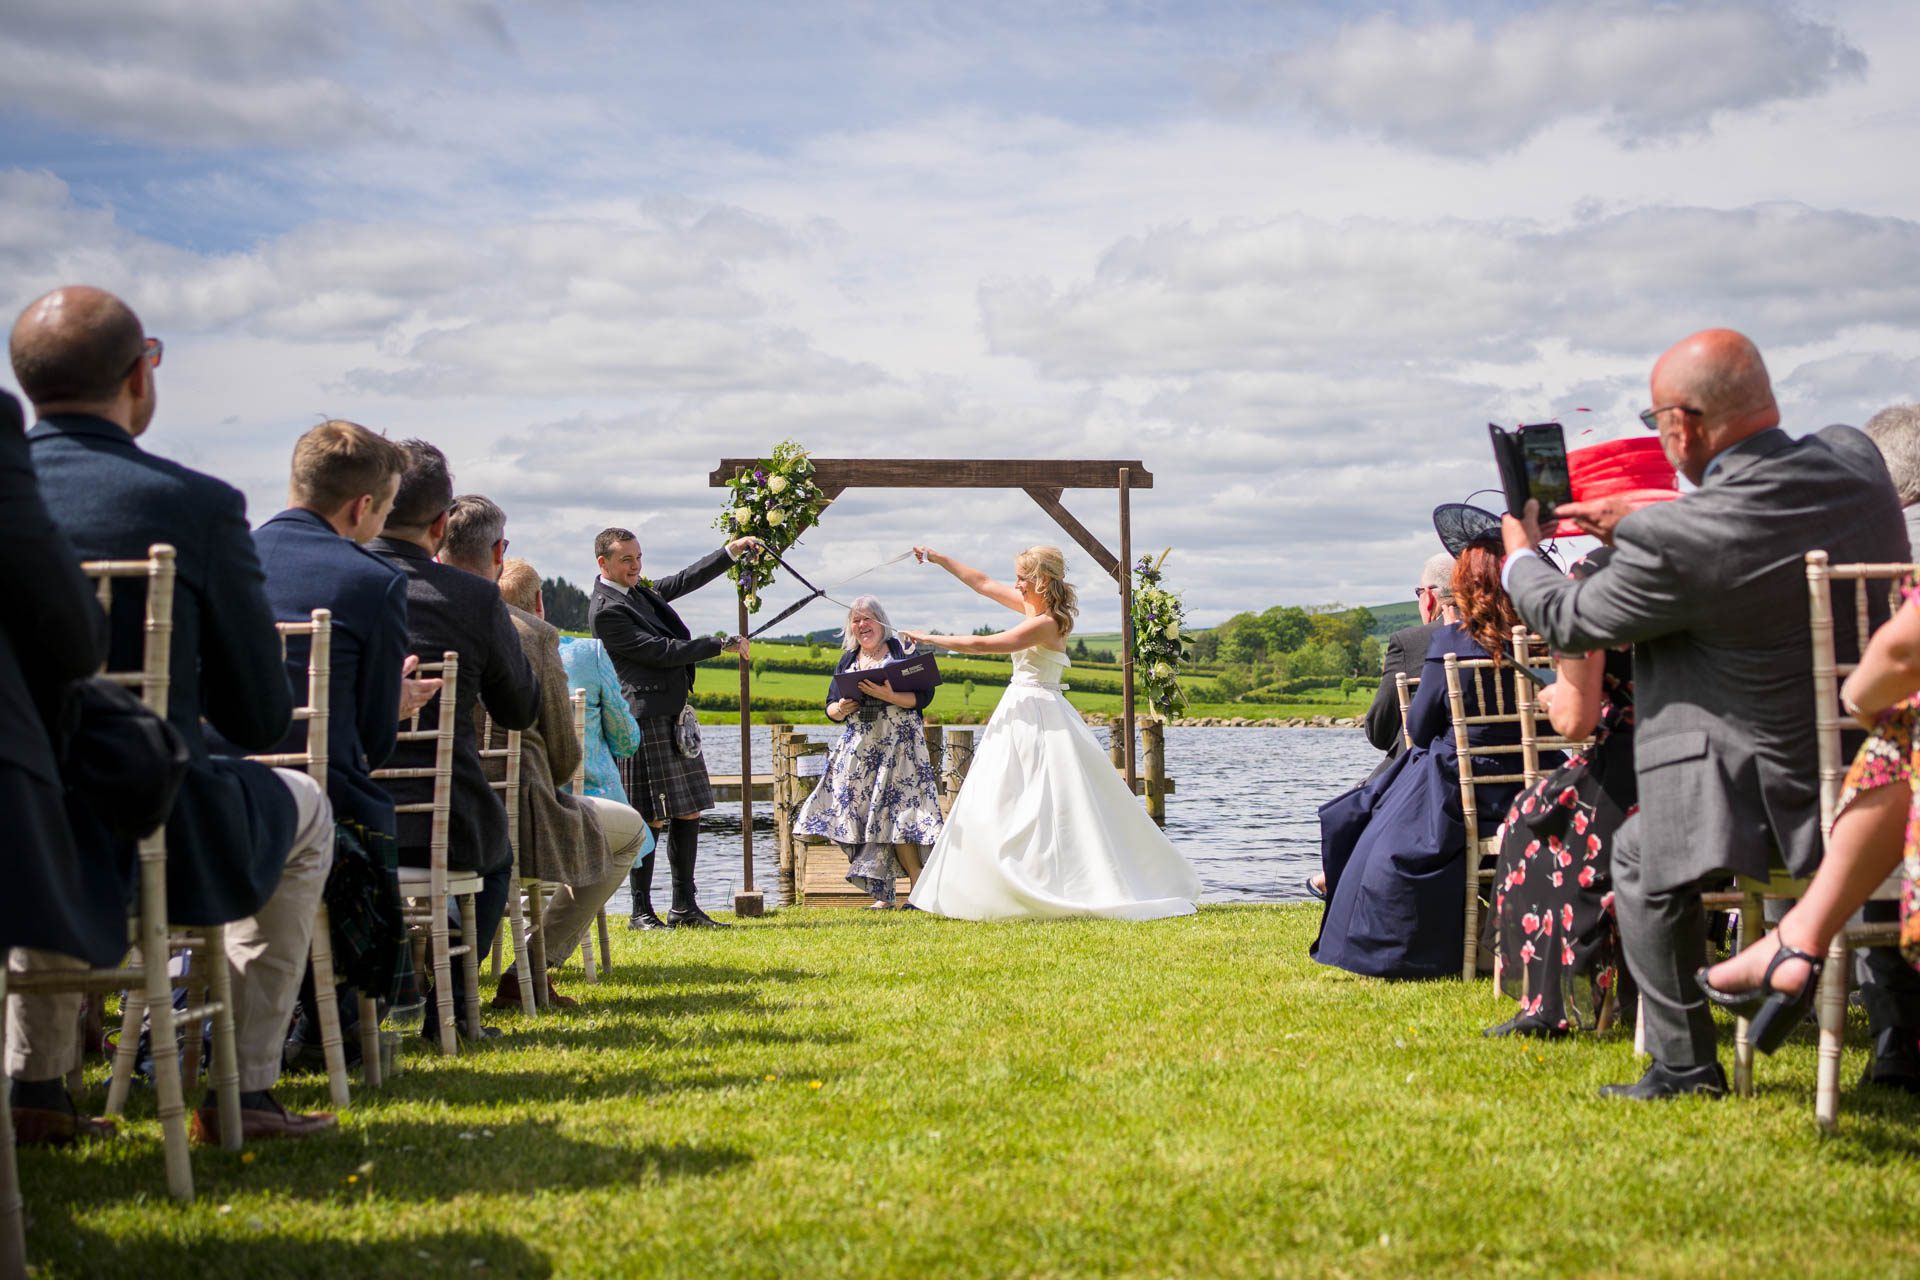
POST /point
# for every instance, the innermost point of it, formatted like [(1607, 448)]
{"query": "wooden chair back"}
[(439, 809), (1404, 685), (523, 915)]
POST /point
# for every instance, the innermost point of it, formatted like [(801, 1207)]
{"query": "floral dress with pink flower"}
[(1887, 757), (1553, 886)]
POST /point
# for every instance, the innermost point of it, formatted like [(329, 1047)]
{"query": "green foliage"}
[(566, 604), (1160, 641)]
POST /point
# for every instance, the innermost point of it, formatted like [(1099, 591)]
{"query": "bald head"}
[(1712, 391), (75, 346)]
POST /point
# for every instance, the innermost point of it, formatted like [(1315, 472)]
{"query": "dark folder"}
[(910, 674)]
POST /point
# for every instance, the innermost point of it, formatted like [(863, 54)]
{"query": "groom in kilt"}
[(654, 655)]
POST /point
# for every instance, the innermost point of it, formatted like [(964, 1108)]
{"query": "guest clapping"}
[(879, 799)]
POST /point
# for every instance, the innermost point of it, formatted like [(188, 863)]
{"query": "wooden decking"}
[(820, 876)]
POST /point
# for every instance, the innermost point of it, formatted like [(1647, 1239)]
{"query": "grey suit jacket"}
[(1711, 591)]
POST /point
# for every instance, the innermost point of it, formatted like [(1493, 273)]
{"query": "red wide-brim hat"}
[(1635, 468)]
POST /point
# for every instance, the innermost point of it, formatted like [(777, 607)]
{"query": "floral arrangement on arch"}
[(776, 502), (1160, 642)]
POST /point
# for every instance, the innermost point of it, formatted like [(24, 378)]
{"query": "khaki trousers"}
[(572, 909), (268, 952)]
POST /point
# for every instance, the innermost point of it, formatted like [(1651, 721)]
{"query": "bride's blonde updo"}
[(1045, 569)]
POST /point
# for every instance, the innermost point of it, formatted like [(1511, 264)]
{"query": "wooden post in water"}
[(1153, 738), (959, 760), (748, 901), (935, 741), (1126, 621), (779, 737), (1116, 751)]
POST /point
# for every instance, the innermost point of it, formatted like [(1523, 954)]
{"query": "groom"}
[(654, 655)]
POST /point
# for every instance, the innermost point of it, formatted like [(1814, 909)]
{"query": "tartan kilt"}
[(658, 770)]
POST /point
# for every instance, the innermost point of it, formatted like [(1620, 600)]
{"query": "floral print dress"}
[(878, 790), (1887, 757), (1553, 886)]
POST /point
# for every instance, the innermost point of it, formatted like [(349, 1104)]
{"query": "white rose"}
[(777, 484), (743, 516), (1161, 671), (1173, 631), (753, 602), (775, 516)]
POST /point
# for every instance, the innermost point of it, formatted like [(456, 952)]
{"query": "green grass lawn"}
[(858, 1094)]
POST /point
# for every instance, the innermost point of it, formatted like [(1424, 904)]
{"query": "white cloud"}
[(1647, 70)]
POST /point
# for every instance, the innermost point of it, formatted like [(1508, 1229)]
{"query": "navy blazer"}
[(449, 608), (58, 897), (921, 697), (309, 567), (233, 822), (651, 648)]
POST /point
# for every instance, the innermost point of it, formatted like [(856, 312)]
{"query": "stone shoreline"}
[(1245, 722)]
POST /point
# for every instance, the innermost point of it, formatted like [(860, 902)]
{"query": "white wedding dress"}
[(1044, 826)]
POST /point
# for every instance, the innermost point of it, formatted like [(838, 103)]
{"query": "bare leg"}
[(1864, 850)]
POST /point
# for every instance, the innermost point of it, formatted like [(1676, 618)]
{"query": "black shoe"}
[(1316, 890), (1896, 1060), (693, 918), (1772, 1015), (645, 922), (1672, 1082), (1522, 1025), (308, 1055)]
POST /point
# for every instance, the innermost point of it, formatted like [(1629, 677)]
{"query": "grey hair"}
[(871, 607), (473, 526), (1897, 431), (1438, 574)]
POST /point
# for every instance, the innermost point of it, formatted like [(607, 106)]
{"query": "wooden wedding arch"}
[(1045, 481)]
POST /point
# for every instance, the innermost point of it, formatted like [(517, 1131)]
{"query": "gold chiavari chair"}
[(579, 786), (526, 899), (1829, 720), (427, 890), (145, 977)]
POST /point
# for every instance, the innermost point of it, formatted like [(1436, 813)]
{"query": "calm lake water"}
[(1243, 813)]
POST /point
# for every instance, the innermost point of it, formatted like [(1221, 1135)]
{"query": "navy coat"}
[(651, 648), (449, 608), (921, 697), (309, 567), (1393, 847), (58, 897), (233, 822)]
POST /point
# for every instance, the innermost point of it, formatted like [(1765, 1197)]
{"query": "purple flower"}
[(760, 475)]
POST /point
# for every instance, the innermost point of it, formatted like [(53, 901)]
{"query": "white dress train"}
[(1044, 826)]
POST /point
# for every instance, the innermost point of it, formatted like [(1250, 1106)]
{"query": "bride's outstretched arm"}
[(998, 592), (1041, 630)]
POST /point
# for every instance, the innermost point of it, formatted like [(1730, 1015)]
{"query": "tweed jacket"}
[(651, 648), (449, 608), (560, 838), (612, 732), (309, 567), (59, 897), (233, 821), (1711, 591), (1406, 652)]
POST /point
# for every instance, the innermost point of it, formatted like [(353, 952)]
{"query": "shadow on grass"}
[(86, 1251)]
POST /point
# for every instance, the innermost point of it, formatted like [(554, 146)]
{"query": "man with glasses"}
[(247, 846), (1711, 593), (457, 607), (1407, 652)]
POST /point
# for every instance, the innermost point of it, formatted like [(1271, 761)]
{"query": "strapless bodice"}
[(1038, 666)]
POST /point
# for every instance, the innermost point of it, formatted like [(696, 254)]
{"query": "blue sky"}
[(1292, 256)]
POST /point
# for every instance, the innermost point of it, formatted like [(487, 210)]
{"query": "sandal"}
[(1771, 1015)]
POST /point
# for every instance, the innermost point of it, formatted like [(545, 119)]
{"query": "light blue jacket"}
[(611, 729)]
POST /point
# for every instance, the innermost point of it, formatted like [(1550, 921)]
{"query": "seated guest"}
[(1711, 592), (1875, 828), (878, 799), (1895, 431), (450, 608), (1392, 847), (584, 844), (1406, 655), (62, 900), (342, 486), (612, 735), (1553, 887), (247, 846)]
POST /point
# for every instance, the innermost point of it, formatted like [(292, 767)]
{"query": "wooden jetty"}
[(814, 871)]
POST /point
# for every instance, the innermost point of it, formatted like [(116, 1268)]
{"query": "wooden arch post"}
[(1043, 480)]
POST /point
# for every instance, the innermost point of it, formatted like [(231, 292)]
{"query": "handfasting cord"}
[(813, 592)]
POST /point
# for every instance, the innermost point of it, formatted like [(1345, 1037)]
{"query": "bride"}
[(1044, 826)]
